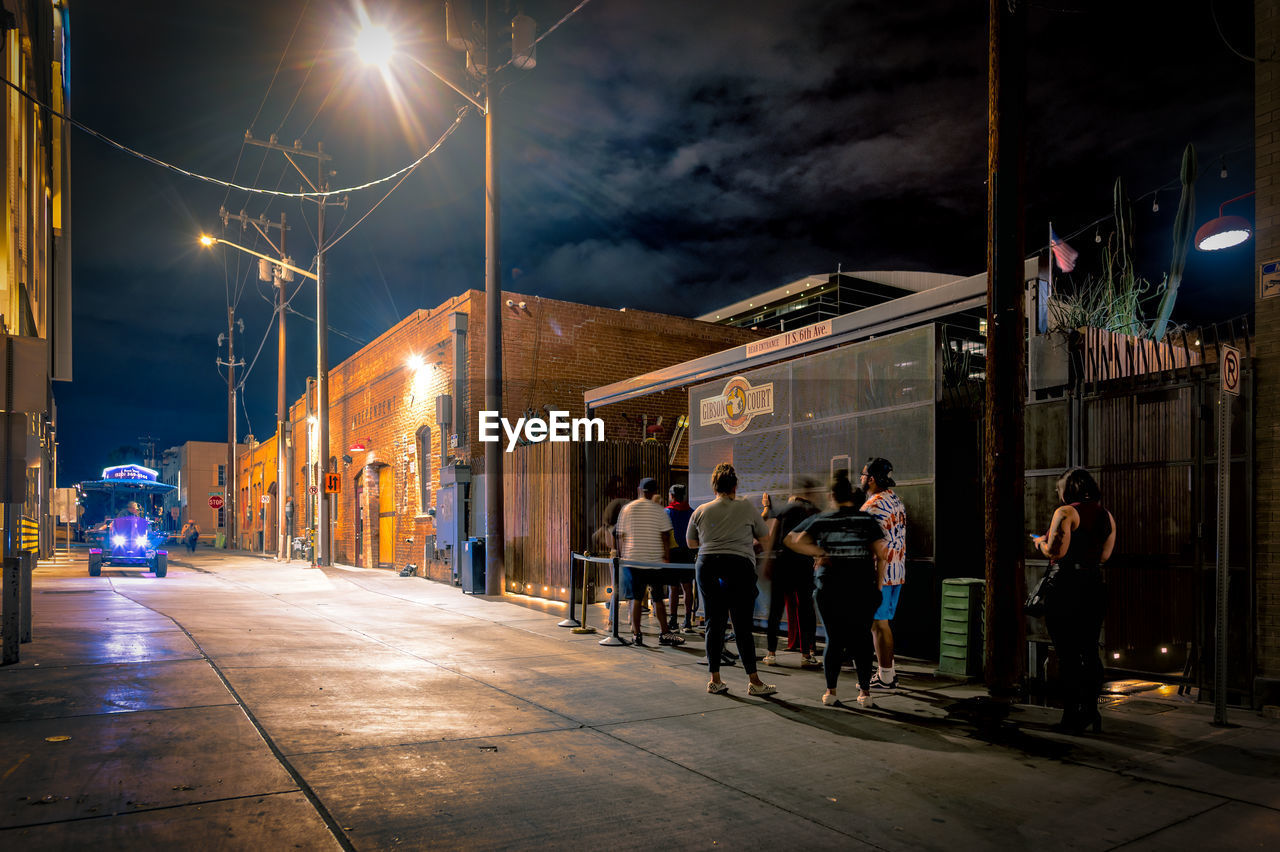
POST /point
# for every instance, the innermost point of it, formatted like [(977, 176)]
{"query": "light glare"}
[(374, 45)]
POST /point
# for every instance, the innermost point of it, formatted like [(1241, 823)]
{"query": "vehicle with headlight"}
[(125, 517), (130, 540)]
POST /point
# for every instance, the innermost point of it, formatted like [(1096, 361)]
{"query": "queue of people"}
[(850, 563)]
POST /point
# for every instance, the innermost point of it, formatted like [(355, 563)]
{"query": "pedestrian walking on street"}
[(191, 536), (1080, 539), (726, 531), (848, 544), (886, 507)]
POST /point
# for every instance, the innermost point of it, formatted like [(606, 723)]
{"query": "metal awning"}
[(915, 309)]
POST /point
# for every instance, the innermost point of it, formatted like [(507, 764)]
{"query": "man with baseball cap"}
[(645, 535)]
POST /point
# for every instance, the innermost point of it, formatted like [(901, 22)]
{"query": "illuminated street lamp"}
[(279, 267), (375, 45)]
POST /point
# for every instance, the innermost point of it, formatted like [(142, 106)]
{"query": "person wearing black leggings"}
[(1081, 537), (725, 532), (851, 555)]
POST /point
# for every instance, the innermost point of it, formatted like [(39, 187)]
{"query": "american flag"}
[(1063, 253)]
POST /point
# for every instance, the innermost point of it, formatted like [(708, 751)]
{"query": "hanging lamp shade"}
[(1224, 231)]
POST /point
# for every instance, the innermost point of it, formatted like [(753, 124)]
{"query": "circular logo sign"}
[(215, 502), (736, 405)]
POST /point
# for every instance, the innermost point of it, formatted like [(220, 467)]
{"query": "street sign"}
[(314, 490), (266, 498), (332, 483), (215, 502), (1269, 280), (1230, 370)]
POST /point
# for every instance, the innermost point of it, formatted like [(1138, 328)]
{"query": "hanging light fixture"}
[(1155, 203), (1224, 231)]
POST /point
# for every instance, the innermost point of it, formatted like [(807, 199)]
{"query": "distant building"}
[(198, 469), (818, 297), (403, 414)]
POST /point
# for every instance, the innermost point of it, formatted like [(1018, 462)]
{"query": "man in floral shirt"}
[(885, 506)]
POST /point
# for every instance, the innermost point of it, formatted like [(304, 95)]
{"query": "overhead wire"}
[(447, 133), (156, 161), (1170, 184)]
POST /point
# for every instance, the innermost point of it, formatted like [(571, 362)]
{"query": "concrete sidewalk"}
[(244, 704)]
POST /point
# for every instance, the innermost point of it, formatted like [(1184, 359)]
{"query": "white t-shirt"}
[(642, 525), (727, 526)]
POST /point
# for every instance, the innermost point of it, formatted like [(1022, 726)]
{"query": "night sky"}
[(672, 156)]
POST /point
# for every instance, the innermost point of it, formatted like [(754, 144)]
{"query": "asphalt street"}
[(241, 703)]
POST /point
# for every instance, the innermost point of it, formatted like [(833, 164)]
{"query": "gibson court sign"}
[(736, 405)]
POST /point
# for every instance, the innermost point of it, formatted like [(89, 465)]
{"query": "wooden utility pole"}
[(1006, 357)]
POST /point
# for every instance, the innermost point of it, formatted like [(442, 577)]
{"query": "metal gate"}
[(1151, 441)]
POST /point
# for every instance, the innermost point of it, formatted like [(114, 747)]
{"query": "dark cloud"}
[(663, 155)]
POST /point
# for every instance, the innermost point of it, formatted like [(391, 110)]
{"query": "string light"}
[(1155, 203), (1223, 174), (1097, 236)]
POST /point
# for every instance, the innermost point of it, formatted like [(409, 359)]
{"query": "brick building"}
[(1266, 358), (405, 406)]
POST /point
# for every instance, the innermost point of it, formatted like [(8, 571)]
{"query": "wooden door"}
[(386, 517)]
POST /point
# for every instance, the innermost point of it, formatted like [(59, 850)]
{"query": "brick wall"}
[(553, 351), (1266, 355)]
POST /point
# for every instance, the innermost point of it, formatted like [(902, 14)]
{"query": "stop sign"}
[(215, 501)]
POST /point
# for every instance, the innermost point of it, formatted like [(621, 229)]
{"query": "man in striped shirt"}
[(645, 535), (886, 507)]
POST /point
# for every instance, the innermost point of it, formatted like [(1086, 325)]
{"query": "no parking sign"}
[(1230, 370)]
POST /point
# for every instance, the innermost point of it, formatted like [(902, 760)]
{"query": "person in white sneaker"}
[(886, 507), (847, 544), (725, 532)]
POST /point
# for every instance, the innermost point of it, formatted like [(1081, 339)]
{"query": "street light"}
[(480, 63), (374, 45), (206, 240), (278, 266)]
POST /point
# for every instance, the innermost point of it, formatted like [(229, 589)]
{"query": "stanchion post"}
[(613, 638), (27, 560), (572, 620), (9, 616)]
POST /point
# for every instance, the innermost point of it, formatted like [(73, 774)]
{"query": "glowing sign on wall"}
[(735, 407), (132, 472)]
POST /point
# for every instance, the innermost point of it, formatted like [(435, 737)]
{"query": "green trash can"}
[(220, 540), (963, 627)]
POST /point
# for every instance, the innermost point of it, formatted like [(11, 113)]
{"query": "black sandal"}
[(670, 639)]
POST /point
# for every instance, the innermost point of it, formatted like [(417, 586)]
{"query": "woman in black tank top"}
[(1081, 537)]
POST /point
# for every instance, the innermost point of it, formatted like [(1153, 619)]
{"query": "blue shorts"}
[(636, 580), (888, 603)]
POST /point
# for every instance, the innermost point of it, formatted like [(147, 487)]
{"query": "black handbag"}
[(1035, 602)]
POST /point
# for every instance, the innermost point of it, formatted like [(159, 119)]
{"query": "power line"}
[(155, 161)]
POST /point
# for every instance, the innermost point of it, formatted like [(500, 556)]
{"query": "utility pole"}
[(229, 479), (324, 531), (279, 275), (282, 412), (495, 545), (1006, 372)]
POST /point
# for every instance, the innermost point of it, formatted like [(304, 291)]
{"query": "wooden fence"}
[(556, 497)]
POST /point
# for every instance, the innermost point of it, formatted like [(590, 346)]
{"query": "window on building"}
[(222, 517), (222, 474), (424, 468)]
